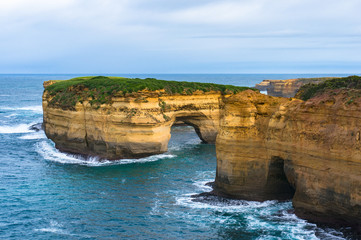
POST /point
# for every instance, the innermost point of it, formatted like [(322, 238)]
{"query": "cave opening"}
[(277, 182)]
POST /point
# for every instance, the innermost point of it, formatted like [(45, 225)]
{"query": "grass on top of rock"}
[(310, 90), (100, 90)]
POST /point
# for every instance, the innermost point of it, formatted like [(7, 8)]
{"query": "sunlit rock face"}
[(130, 127), (267, 145)]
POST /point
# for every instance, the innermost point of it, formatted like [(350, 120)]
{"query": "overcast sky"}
[(180, 36)]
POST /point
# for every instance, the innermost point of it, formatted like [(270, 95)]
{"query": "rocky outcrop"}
[(287, 88), (130, 126), (266, 146)]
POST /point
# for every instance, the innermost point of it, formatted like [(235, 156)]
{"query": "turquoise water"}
[(45, 194)]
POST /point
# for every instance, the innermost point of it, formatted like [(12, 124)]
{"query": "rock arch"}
[(130, 127)]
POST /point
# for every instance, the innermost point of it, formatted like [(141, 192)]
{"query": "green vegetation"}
[(315, 80), (310, 90), (99, 90)]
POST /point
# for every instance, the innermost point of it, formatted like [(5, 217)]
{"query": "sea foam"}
[(50, 153), (36, 109), (21, 128)]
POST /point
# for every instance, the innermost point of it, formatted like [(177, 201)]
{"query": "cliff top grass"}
[(100, 90), (311, 90)]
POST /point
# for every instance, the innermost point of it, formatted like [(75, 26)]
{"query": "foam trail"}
[(21, 128), (54, 227), (11, 115), (50, 153), (33, 136), (36, 109)]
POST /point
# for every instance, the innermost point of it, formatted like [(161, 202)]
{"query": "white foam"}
[(50, 153), (36, 109), (183, 145), (54, 227), (238, 206), (11, 115), (33, 136), (21, 128), (201, 185)]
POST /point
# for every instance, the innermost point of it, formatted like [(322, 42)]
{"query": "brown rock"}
[(129, 127), (314, 144)]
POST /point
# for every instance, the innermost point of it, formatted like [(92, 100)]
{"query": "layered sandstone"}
[(287, 88), (264, 143), (131, 126)]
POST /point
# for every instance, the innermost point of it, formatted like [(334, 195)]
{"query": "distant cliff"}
[(127, 118), (287, 88), (270, 148)]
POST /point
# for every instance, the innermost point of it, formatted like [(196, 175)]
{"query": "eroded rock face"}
[(316, 144), (244, 168), (130, 127)]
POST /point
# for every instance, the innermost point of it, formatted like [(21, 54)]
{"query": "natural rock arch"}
[(203, 126), (131, 127)]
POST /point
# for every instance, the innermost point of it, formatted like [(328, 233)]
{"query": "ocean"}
[(47, 194)]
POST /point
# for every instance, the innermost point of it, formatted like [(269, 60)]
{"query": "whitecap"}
[(21, 128), (232, 205), (202, 185), (11, 115), (36, 109), (33, 136), (54, 227), (183, 145), (50, 153)]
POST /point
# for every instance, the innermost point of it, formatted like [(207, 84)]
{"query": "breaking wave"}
[(36, 109), (33, 136), (21, 128), (50, 153)]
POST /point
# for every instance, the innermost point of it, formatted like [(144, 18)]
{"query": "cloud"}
[(152, 35)]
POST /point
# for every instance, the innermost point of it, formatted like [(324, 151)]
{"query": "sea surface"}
[(46, 194)]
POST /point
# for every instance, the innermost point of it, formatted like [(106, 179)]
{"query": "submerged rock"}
[(36, 127)]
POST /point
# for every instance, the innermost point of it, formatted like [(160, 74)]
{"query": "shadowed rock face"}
[(315, 145), (130, 127)]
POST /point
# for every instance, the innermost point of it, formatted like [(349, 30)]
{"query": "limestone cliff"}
[(287, 88), (264, 143), (130, 127)]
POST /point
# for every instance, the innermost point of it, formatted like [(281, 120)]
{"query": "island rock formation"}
[(132, 126), (268, 147)]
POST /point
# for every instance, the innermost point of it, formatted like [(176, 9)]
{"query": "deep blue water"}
[(45, 194)]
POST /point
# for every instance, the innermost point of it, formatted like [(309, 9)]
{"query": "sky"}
[(180, 36)]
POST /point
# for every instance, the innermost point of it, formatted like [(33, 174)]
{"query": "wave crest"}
[(21, 128)]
